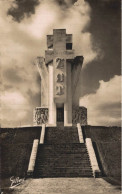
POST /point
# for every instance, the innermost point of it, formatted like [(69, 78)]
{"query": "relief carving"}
[(59, 90), (59, 63), (41, 116), (60, 77), (79, 115), (40, 61)]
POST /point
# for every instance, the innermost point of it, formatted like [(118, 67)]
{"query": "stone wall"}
[(40, 116), (79, 115)]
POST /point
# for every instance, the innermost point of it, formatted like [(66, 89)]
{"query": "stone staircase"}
[(62, 155)]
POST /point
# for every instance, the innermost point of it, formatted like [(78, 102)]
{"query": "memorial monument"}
[(59, 71)]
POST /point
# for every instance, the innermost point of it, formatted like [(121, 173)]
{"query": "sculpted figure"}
[(59, 63), (60, 77), (59, 90)]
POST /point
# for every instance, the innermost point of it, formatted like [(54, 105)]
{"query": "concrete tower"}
[(59, 71)]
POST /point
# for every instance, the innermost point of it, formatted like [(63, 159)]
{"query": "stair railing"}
[(80, 134), (33, 158), (42, 134), (93, 159)]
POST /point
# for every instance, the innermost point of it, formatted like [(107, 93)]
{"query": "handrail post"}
[(42, 134), (80, 134)]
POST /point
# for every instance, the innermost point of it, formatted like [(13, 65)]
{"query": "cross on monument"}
[(59, 50)]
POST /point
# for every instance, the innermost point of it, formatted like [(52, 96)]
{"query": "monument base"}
[(41, 115)]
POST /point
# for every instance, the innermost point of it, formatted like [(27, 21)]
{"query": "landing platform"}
[(66, 186)]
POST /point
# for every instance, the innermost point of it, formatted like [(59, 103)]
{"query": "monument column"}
[(68, 103), (52, 105)]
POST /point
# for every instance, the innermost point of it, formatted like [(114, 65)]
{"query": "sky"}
[(95, 26)]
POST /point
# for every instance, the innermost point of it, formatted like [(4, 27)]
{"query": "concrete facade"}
[(59, 72)]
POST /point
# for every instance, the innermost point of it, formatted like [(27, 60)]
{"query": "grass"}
[(16, 146), (107, 145)]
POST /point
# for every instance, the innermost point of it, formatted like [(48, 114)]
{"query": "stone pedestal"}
[(40, 116), (79, 115)]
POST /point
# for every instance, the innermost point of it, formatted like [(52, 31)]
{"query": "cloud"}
[(76, 20), (20, 9), (13, 106), (47, 16), (104, 105)]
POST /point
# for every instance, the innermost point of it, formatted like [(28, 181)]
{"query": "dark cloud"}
[(112, 109), (12, 76), (22, 8), (34, 99), (105, 28), (7, 86), (64, 3), (114, 106)]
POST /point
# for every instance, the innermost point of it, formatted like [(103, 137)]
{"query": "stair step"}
[(56, 162), (49, 161), (64, 165), (62, 151), (70, 163), (62, 162), (61, 175), (64, 169), (72, 150), (64, 156), (71, 155), (64, 145), (55, 169)]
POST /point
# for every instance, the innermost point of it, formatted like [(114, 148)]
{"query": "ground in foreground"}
[(66, 185)]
